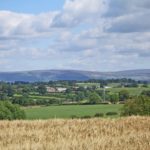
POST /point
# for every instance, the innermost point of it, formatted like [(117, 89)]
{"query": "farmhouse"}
[(61, 89), (51, 89), (55, 90)]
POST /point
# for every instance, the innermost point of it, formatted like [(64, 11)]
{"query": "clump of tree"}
[(124, 95), (137, 106), (94, 98), (8, 111), (146, 93), (113, 98), (42, 89)]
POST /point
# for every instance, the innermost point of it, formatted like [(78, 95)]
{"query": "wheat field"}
[(132, 133)]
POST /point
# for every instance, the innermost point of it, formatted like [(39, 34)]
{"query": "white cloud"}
[(128, 16), (76, 12), (131, 23), (85, 34), (24, 25)]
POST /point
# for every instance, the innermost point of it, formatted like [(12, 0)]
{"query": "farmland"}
[(132, 91), (113, 87), (66, 92), (69, 111), (131, 133), (72, 99)]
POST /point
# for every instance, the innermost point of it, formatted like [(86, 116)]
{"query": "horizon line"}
[(17, 71)]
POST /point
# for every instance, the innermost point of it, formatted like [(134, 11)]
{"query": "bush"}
[(123, 95), (8, 111), (99, 115), (146, 93), (94, 98), (74, 117), (86, 117), (111, 113), (137, 106)]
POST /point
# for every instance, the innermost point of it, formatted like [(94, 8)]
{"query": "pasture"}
[(67, 111), (131, 133), (132, 91)]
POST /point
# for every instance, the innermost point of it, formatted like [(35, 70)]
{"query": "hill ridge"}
[(54, 74)]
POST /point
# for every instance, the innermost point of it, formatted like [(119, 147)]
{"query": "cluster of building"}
[(55, 89)]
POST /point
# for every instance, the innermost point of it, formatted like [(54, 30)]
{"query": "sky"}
[(97, 35)]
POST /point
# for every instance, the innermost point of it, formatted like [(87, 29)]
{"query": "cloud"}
[(85, 34), (76, 12), (128, 16), (131, 23), (120, 8), (24, 25)]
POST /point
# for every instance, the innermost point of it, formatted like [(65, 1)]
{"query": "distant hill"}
[(47, 75)]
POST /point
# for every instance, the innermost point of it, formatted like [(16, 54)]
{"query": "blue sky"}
[(97, 35), (31, 6)]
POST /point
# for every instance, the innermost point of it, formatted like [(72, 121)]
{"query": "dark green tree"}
[(146, 93), (123, 95), (10, 91), (3, 96), (42, 89), (113, 97), (94, 98), (137, 106), (9, 111)]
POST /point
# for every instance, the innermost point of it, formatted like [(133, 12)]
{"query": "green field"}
[(88, 84), (69, 111), (132, 91)]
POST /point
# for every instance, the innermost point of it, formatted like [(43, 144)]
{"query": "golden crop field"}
[(132, 133)]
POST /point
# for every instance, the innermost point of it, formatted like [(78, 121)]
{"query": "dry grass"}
[(123, 134)]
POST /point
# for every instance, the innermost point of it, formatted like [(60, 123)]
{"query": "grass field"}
[(90, 134), (39, 97), (88, 84), (132, 91), (69, 111)]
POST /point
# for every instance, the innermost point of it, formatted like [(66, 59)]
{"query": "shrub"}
[(137, 106), (5, 113), (94, 98), (146, 93), (74, 117), (99, 115), (113, 98), (8, 111), (86, 117), (111, 113), (123, 95)]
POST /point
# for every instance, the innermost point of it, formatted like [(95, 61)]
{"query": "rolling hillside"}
[(46, 75)]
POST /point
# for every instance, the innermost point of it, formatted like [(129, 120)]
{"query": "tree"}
[(113, 97), (137, 106), (81, 89), (103, 83), (3, 96), (26, 90), (70, 97), (94, 98), (68, 91), (146, 93), (80, 96), (10, 91), (42, 89), (24, 100), (145, 85), (10, 112), (123, 95)]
